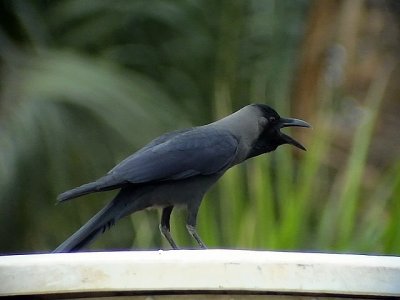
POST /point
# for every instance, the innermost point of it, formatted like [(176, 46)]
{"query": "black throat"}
[(266, 142)]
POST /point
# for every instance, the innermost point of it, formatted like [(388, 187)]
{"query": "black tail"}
[(79, 191), (104, 219)]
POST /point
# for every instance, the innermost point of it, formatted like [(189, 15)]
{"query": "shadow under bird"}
[(177, 169)]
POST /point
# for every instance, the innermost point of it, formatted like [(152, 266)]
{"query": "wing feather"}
[(200, 151)]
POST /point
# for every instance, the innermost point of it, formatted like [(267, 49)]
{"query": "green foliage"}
[(85, 83)]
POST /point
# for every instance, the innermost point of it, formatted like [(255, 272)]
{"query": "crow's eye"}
[(272, 119)]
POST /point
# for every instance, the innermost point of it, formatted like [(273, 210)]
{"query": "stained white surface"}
[(208, 270)]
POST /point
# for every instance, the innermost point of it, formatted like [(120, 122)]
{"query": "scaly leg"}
[(191, 223), (165, 227)]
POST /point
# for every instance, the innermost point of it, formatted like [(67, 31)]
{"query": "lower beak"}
[(289, 122)]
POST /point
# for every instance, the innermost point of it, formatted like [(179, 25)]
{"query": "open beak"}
[(289, 122)]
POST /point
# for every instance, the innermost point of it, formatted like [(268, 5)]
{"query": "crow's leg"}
[(193, 208), (165, 227)]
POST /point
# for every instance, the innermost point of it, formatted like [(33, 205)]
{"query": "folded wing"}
[(195, 152), (199, 151)]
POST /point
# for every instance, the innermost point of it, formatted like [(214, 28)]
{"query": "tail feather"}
[(79, 191), (104, 219)]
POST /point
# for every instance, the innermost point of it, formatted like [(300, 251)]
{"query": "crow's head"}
[(270, 136)]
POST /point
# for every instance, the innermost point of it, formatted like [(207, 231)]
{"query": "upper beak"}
[(288, 122)]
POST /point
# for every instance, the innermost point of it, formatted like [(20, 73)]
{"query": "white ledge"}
[(182, 271)]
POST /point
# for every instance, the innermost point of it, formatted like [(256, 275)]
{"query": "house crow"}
[(177, 169)]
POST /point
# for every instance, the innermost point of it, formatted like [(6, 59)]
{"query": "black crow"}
[(179, 167)]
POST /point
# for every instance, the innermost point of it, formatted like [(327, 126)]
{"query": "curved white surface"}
[(200, 270)]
